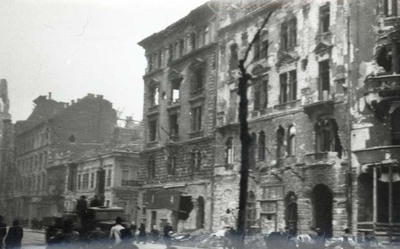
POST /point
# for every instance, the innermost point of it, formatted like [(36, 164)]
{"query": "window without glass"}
[(261, 146), (171, 166), (92, 180), (288, 34), (109, 175), (151, 168), (193, 41), (153, 96), (152, 130), (324, 82), (291, 144), (280, 141), (260, 48), (251, 213), (234, 59), (288, 87), (229, 156), (160, 58), (196, 160), (170, 53), (181, 47), (206, 35), (327, 138), (175, 88), (324, 15), (196, 118), (173, 125), (252, 151), (260, 94), (197, 79)]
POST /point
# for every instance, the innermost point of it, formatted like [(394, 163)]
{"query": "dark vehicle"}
[(103, 217)]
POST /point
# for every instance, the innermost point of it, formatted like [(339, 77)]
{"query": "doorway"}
[(322, 201)]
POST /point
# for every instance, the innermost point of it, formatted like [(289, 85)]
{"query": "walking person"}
[(14, 236), (3, 231), (142, 234), (133, 228), (167, 235), (115, 232)]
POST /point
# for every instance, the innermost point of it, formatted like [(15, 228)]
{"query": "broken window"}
[(92, 180), (260, 47), (176, 50), (234, 59), (175, 90), (390, 7), (151, 168), (109, 177), (291, 143), (170, 53), (324, 81), (206, 36), (229, 156), (150, 63), (260, 94), (152, 130), (174, 126), (280, 139), (327, 138), (324, 16), (252, 151), (196, 160), (288, 34), (396, 127), (196, 116), (181, 47), (193, 41), (251, 214), (288, 87), (153, 95), (261, 146), (160, 58), (197, 79), (171, 166)]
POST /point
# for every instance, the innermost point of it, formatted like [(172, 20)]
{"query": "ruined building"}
[(179, 101), (53, 130), (323, 117)]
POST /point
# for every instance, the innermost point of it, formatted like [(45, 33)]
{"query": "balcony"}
[(131, 183), (378, 154), (321, 158), (315, 106)]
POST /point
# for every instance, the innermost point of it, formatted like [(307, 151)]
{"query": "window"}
[(390, 7), (170, 53), (229, 154), (288, 87), (150, 63), (288, 34), (181, 47), (196, 116), (260, 94), (324, 82), (79, 181), (252, 151), (176, 50), (92, 180), (151, 168), (197, 79), (173, 125), (175, 90), (234, 59), (152, 130), (327, 138), (160, 58), (261, 146), (291, 143), (324, 16), (280, 139), (109, 172), (85, 181), (251, 214), (125, 175), (206, 36), (193, 41), (171, 166), (153, 96), (260, 47), (196, 160)]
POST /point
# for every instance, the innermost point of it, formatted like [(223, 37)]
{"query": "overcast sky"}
[(75, 47)]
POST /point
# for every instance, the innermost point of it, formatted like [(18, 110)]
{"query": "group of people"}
[(124, 237), (11, 238)]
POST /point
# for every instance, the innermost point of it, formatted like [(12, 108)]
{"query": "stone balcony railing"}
[(378, 154), (131, 183), (323, 158), (315, 105)]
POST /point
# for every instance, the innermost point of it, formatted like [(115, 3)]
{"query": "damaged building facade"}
[(178, 119), (323, 117)]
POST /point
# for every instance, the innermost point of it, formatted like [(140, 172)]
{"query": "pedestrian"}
[(229, 238), (347, 239), (97, 238), (319, 238), (154, 234), (14, 236), (167, 235), (3, 231), (370, 240), (133, 228), (142, 234), (115, 232), (95, 202)]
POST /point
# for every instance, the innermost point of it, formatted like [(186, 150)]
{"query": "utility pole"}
[(245, 137)]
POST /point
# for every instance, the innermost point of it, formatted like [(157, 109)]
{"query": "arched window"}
[(252, 151), (327, 139), (229, 155), (280, 141), (291, 141), (261, 146)]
